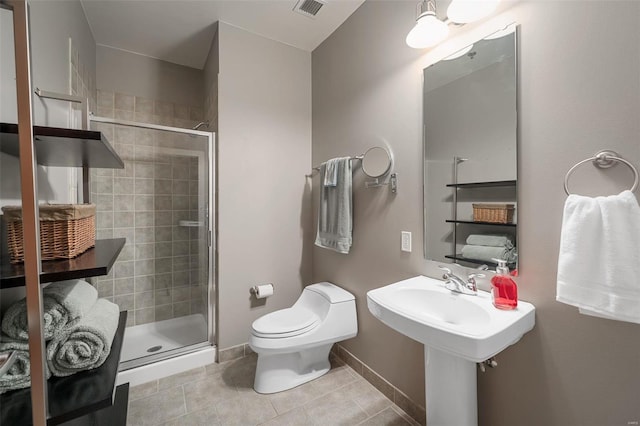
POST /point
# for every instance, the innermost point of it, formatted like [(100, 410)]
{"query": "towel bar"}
[(603, 159)]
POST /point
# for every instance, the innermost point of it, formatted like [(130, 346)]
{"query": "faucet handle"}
[(474, 276), (444, 268), (447, 272)]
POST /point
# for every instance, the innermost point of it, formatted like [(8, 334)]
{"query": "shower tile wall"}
[(156, 276)]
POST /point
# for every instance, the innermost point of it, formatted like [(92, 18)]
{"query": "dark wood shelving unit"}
[(85, 394), (493, 184), (471, 222), (60, 147), (94, 262)]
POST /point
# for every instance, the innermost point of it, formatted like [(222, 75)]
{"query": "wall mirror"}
[(470, 154), (376, 162)]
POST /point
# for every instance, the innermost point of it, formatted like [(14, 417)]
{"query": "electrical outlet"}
[(406, 241)]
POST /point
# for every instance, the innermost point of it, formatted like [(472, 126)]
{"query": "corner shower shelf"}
[(89, 397), (63, 147), (94, 262)]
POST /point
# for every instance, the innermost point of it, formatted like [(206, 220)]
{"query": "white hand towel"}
[(331, 172), (599, 261), (335, 217)]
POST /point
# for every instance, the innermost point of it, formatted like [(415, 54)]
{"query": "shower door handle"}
[(190, 223)]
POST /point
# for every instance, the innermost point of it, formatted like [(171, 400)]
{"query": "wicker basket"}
[(66, 230), (493, 213)]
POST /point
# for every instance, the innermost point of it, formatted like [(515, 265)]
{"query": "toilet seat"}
[(285, 323)]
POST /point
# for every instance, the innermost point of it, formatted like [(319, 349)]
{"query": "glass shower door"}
[(160, 203)]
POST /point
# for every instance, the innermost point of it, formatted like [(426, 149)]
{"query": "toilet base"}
[(280, 372)]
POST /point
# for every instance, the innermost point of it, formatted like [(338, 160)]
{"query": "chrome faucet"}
[(459, 285)]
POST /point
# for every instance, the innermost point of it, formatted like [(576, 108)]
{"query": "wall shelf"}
[(94, 262), (63, 147), (73, 397), (483, 184), (459, 257), (471, 222)]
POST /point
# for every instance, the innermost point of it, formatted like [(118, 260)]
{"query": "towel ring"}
[(603, 160)]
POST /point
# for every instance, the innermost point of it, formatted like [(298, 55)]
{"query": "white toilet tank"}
[(335, 307)]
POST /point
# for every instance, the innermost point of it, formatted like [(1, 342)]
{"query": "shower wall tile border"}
[(416, 411)]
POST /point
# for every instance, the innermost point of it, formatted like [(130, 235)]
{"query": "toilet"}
[(293, 344)]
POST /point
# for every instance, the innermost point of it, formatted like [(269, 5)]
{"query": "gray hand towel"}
[(19, 375), (335, 220), (63, 302), (86, 344)]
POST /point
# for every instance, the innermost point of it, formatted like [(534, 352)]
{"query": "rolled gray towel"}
[(486, 253), (86, 344), (19, 375), (490, 240), (63, 302)]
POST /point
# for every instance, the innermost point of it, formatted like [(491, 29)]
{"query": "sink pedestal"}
[(450, 388)]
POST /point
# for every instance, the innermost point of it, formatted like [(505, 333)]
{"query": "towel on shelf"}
[(331, 173), (491, 240), (63, 302), (86, 344), (19, 374), (335, 220), (487, 253), (599, 259)]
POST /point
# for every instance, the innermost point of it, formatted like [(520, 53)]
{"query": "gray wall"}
[(138, 75), (579, 93), (264, 152)]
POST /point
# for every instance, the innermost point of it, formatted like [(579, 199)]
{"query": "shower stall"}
[(162, 203)]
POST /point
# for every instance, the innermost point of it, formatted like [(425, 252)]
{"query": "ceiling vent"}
[(309, 8)]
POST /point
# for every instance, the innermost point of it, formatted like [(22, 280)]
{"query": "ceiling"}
[(181, 31)]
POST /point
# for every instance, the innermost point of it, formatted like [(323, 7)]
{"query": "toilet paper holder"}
[(254, 290)]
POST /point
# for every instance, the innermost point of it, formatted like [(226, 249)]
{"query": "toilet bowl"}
[(293, 344)]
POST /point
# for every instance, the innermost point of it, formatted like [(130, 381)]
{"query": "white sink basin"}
[(466, 326)]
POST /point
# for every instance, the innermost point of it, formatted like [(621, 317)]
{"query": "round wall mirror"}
[(376, 162)]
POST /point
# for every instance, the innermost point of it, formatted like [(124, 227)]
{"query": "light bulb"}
[(465, 11), (428, 31)]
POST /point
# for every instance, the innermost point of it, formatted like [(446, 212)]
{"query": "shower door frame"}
[(211, 281)]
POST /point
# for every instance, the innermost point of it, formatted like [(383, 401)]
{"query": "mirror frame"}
[(517, 141)]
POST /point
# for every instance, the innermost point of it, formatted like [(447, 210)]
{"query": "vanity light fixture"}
[(429, 30)]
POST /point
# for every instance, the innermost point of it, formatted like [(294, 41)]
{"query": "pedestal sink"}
[(458, 331)]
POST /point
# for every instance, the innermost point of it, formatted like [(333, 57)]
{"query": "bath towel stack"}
[(486, 247), (78, 328)]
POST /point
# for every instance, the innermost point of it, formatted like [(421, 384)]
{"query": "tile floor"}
[(222, 394)]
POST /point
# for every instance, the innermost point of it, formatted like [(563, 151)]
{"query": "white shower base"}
[(167, 335), (171, 334)]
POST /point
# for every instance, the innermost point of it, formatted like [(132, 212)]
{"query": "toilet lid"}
[(285, 323)]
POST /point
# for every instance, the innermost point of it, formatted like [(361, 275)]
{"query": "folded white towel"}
[(331, 172), (599, 261), (491, 240), (335, 217)]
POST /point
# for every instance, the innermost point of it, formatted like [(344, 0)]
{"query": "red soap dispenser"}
[(504, 292)]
